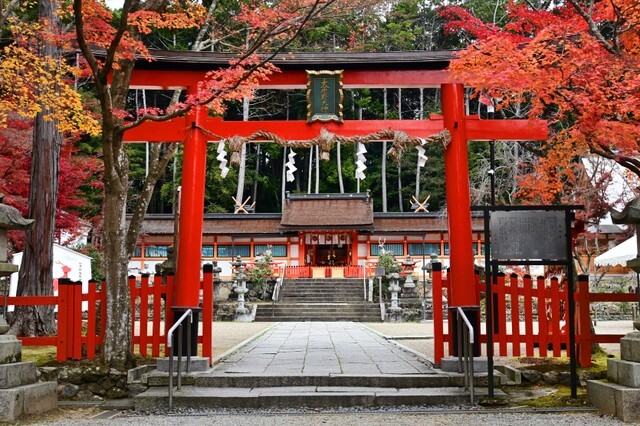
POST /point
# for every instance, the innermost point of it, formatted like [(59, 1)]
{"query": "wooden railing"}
[(151, 299), (518, 328), (349, 271)]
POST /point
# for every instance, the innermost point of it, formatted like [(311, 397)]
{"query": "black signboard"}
[(528, 235)]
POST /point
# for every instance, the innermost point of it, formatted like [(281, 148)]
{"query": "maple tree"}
[(577, 64), (77, 172), (35, 85), (266, 28)]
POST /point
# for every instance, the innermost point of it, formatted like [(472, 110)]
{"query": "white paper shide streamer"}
[(291, 168), (360, 162), (222, 158), (422, 159)]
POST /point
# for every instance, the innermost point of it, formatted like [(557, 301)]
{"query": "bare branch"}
[(593, 28)]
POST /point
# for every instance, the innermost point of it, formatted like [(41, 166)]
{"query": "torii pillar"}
[(189, 262), (456, 160)]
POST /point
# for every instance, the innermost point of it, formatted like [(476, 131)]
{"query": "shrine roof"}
[(192, 60), (327, 211), (269, 224)]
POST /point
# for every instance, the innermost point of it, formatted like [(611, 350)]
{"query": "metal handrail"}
[(178, 325), (465, 350)]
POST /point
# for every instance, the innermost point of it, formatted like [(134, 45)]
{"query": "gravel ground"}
[(382, 417)]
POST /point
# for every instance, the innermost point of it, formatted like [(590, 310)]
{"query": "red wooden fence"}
[(149, 291), (518, 330)]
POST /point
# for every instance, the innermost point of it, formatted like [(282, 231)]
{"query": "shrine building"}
[(334, 235)]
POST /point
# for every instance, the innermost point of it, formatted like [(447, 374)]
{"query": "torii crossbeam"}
[(412, 70)]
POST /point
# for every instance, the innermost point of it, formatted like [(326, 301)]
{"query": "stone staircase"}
[(329, 299), (210, 389), (20, 392)]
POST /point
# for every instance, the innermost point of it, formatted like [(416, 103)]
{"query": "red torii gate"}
[(421, 69)]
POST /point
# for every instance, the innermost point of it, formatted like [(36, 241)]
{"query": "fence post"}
[(515, 314), (76, 313), (207, 312), (543, 326), (555, 317), (528, 313), (144, 314), (583, 322), (157, 303), (501, 307), (63, 319), (91, 320), (168, 312), (133, 293), (438, 332)]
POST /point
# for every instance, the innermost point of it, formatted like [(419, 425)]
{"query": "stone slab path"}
[(322, 348)]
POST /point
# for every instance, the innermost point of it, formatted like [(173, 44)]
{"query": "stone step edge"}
[(211, 379), (307, 396)]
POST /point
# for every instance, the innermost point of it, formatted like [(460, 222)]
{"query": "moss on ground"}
[(557, 397), (43, 356)]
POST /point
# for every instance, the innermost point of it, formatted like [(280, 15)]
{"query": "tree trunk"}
[(243, 155), (383, 166), (317, 169), (257, 171), (339, 160), (36, 272), (118, 241), (400, 187)]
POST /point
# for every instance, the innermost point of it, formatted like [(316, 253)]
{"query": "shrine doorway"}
[(330, 255)]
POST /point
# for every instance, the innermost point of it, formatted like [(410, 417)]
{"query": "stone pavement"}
[(322, 348)]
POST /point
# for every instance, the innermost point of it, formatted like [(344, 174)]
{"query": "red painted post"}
[(157, 303), (515, 314), (91, 320), (438, 337), (502, 315), (77, 322), (207, 312), (456, 159), (555, 317), (63, 314), (191, 210), (528, 313), (543, 328), (168, 312), (134, 292), (583, 322), (144, 313)]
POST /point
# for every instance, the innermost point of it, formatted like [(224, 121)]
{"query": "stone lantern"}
[(216, 279), (10, 218), (409, 287), (395, 312), (240, 287)]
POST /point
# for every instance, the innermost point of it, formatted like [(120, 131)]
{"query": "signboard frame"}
[(325, 96)]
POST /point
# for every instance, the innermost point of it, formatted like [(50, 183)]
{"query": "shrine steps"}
[(303, 311), (330, 299)]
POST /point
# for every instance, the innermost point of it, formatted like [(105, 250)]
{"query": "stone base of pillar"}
[(620, 395)]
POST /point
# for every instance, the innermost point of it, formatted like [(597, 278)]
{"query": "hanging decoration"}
[(422, 159), (222, 158), (360, 162), (290, 165), (326, 140)]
